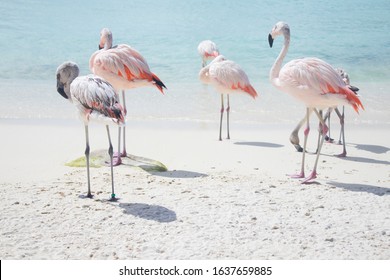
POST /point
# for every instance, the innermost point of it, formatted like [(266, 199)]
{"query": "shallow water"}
[(39, 35)]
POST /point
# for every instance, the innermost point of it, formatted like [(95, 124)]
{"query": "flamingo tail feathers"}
[(247, 88), (350, 95), (252, 92), (158, 83)]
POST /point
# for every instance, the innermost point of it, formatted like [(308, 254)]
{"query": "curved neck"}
[(204, 74), (106, 41), (108, 44), (274, 73)]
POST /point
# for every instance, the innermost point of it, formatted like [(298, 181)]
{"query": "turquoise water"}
[(36, 36)]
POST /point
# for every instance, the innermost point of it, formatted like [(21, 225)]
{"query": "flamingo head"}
[(280, 28), (105, 39), (344, 75), (66, 73)]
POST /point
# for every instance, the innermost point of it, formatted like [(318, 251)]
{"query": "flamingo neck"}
[(108, 45), (108, 41), (204, 74), (274, 73)]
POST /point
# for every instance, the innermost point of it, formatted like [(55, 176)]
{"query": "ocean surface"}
[(37, 36)]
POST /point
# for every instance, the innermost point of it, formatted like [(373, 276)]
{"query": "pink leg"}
[(116, 158), (124, 153), (220, 122), (306, 134), (227, 116), (341, 116), (325, 130)]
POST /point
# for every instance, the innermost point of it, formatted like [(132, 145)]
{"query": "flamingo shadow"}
[(380, 191), (149, 212), (376, 149), (179, 174), (260, 144), (366, 160)]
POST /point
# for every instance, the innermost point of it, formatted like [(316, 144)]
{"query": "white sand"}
[(219, 200)]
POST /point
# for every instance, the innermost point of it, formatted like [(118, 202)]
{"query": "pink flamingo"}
[(227, 77), (207, 50), (95, 99), (124, 68), (312, 81)]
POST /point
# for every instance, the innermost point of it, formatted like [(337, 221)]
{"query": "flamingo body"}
[(226, 77), (315, 83), (96, 99), (124, 67)]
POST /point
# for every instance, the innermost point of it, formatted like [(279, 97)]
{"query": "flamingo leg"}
[(87, 151), (227, 115), (124, 153), (327, 137), (319, 130), (325, 129), (342, 135), (294, 138), (111, 153), (306, 133), (116, 159), (220, 122)]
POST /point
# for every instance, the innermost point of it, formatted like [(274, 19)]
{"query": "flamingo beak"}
[(100, 47), (270, 40), (60, 89)]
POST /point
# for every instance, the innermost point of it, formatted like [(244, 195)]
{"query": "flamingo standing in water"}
[(294, 138), (95, 99), (207, 50), (312, 81), (124, 68), (227, 77)]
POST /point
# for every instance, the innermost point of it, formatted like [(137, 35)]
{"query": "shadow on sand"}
[(376, 149), (260, 144), (179, 174), (365, 160), (149, 212), (361, 188)]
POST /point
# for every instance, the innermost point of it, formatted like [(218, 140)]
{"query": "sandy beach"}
[(218, 200)]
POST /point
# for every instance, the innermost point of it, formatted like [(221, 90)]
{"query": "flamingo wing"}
[(319, 77), (122, 61), (230, 76), (96, 95)]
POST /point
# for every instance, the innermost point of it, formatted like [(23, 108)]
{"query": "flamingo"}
[(227, 77), (313, 82), (95, 99), (207, 50), (294, 138), (124, 68)]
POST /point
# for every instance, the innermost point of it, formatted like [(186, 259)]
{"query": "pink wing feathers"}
[(318, 76), (230, 76), (124, 62)]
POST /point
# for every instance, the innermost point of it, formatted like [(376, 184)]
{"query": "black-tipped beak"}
[(354, 89), (100, 47), (270, 40), (60, 90)]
